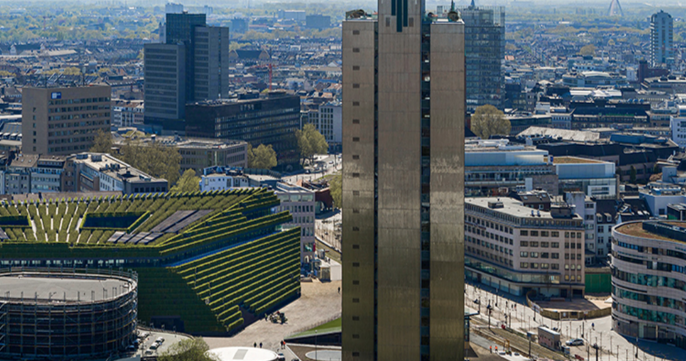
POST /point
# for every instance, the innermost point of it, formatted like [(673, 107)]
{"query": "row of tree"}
[(163, 161), (310, 143)]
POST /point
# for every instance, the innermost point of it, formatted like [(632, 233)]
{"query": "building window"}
[(356, 86), (356, 121), (356, 139), (356, 67), (356, 300), (356, 32), (356, 175), (356, 50), (356, 156)]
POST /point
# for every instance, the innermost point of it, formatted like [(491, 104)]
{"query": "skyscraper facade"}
[(195, 68), (403, 190), (165, 81), (484, 38), (181, 30), (661, 39)]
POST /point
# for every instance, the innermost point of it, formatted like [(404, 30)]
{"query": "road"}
[(332, 167), (612, 346)]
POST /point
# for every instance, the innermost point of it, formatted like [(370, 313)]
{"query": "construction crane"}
[(270, 72)]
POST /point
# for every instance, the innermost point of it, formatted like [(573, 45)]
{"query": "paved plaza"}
[(318, 303), (597, 331)]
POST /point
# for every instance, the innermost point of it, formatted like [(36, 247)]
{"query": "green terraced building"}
[(208, 263)]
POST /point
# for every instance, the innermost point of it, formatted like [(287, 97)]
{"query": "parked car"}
[(160, 340), (154, 346), (575, 342), (281, 357)]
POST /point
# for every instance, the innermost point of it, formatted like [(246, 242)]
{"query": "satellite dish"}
[(453, 16)]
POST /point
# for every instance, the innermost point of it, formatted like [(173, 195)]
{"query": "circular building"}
[(243, 353), (66, 315), (649, 280)]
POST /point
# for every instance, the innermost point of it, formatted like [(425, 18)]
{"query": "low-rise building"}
[(46, 176), (491, 165), (222, 178), (590, 176), (649, 281), (677, 127), (270, 121), (93, 172), (18, 173), (127, 113), (515, 249)]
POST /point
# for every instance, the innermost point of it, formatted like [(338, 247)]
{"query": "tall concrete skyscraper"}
[(192, 65), (485, 51), (661, 39), (403, 190)]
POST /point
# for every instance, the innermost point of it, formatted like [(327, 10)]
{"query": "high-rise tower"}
[(661, 39), (193, 65), (403, 184), (484, 51)]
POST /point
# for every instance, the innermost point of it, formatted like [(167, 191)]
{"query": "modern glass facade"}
[(649, 280), (484, 37)]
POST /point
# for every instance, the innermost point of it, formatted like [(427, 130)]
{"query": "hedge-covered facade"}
[(229, 266)]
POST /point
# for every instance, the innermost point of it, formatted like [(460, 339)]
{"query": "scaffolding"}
[(33, 328)]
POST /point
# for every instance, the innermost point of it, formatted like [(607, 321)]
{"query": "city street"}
[(332, 164), (612, 346)]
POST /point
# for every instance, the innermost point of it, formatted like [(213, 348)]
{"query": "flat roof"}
[(243, 353), (635, 229), (512, 207), (59, 287), (574, 160)]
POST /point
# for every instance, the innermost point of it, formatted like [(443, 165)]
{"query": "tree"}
[(187, 183), (155, 159), (194, 349), (102, 143), (632, 174), (335, 189), (262, 157), (587, 50), (310, 142), (488, 120)]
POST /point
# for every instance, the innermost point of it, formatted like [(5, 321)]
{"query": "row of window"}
[(535, 244), (528, 233), (77, 101)]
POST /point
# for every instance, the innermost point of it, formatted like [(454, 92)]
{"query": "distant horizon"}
[(239, 4)]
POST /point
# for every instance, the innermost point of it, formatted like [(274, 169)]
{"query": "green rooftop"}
[(208, 262)]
